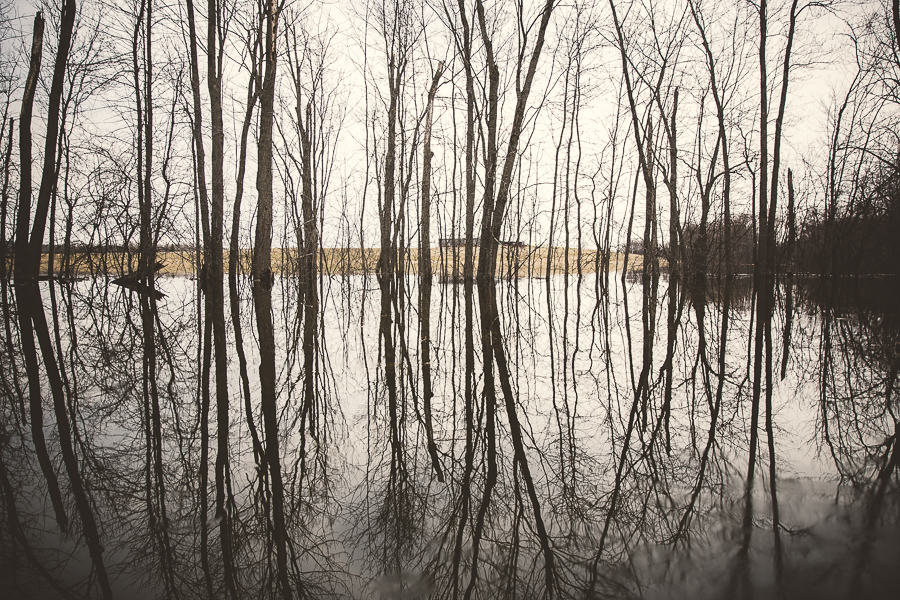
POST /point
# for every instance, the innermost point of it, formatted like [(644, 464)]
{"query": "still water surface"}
[(536, 438)]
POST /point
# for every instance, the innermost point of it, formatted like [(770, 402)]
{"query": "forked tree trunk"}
[(22, 269), (495, 206), (49, 174)]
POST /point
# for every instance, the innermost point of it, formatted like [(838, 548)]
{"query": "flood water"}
[(348, 437)]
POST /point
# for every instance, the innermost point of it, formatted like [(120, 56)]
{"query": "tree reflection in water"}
[(567, 437)]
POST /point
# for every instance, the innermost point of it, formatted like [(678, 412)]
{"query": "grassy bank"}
[(445, 262)]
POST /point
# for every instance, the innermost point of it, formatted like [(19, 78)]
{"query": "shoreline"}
[(521, 262)]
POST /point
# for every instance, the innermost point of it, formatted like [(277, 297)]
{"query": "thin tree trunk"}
[(147, 252), (649, 264), (465, 49), (674, 219), (643, 154), (262, 251), (199, 149), (722, 145), (895, 14), (771, 266), (4, 200), (307, 233), (252, 97), (792, 225), (425, 219), (387, 258)]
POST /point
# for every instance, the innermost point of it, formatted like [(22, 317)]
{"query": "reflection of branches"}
[(520, 458), (715, 407), (24, 301), (858, 367), (17, 531), (33, 322), (396, 519), (262, 302), (539, 497)]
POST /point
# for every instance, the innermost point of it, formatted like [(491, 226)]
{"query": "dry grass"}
[(448, 262), (445, 262), (116, 263)]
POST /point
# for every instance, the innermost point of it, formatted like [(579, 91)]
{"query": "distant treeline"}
[(863, 239)]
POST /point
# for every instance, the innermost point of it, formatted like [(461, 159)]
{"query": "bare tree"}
[(494, 206), (721, 146), (395, 21), (4, 195), (254, 41)]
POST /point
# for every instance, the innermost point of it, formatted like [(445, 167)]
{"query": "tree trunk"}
[(310, 249), (425, 219), (147, 252), (262, 251), (48, 177), (644, 156), (387, 259), (22, 262), (200, 167), (466, 50), (252, 98)]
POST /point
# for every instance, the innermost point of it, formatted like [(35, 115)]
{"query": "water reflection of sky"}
[(576, 459)]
